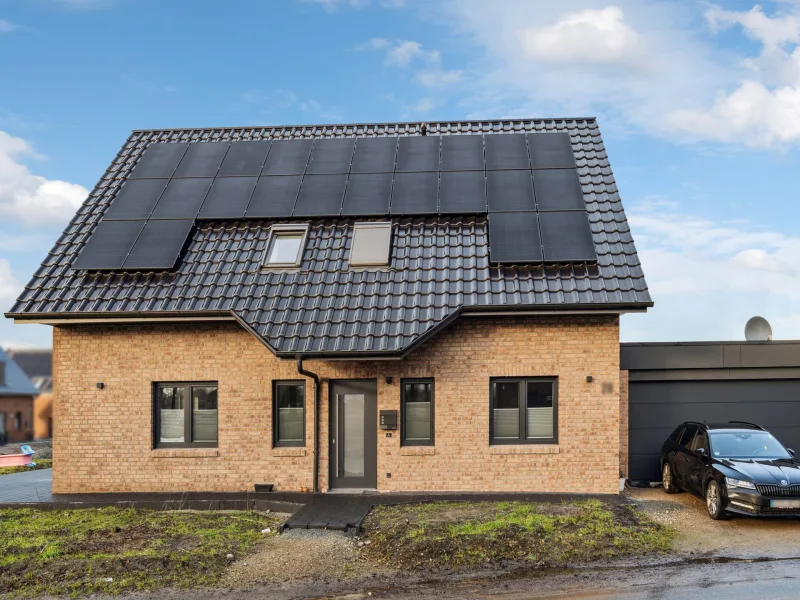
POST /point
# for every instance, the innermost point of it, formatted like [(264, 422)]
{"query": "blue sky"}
[(699, 104)]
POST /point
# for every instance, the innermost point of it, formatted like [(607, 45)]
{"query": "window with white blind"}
[(289, 413), (524, 411), (186, 415), (416, 420)]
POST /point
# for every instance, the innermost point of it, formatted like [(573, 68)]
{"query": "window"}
[(417, 418), (687, 435), (186, 415), (699, 441), (524, 411), (286, 244), (289, 413), (2, 373), (371, 244), (18, 421)]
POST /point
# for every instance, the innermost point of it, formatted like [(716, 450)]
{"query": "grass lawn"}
[(82, 551), (42, 463), (460, 534)]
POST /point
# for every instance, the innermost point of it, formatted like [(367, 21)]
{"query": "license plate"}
[(784, 503)]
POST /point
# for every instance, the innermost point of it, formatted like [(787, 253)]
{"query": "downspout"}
[(315, 377)]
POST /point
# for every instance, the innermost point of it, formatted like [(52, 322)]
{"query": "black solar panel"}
[(331, 156), (368, 194), (182, 198), (202, 159), (415, 193), (462, 153), (558, 189), (320, 196), (509, 191), (374, 155), (245, 158), (418, 154), (567, 236), (287, 157), (159, 160), (514, 238), (462, 192), (159, 245), (551, 151), (506, 151), (136, 199), (228, 198), (274, 196), (108, 245)]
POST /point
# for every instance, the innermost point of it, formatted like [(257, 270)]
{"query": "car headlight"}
[(739, 483)]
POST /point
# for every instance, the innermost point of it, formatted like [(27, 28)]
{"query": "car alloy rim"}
[(712, 498), (667, 478)]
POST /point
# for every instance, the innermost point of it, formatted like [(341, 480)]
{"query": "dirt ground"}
[(741, 537)]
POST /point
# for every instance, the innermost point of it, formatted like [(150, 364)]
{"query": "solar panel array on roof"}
[(330, 177)]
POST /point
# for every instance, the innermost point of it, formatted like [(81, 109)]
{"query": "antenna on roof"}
[(424, 128), (758, 329)]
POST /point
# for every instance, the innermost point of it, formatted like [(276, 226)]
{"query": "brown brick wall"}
[(103, 437), (10, 406), (42, 416), (623, 422)]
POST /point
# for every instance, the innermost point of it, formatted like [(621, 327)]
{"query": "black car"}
[(737, 467)]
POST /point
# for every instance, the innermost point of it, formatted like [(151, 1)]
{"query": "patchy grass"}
[(111, 550), (44, 463), (446, 535)]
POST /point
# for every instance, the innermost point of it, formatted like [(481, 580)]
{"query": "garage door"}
[(657, 407)]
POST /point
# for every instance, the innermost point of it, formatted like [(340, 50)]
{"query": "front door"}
[(354, 436)]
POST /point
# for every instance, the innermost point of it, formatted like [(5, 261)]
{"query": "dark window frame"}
[(18, 421), (288, 444), (523, 413), (286, 229), (187, 415), (403, 441)]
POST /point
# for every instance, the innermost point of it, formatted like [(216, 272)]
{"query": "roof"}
[(13, 381), (37, 365), (439, 265)]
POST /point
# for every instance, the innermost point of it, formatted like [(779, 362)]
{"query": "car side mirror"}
[(701, 451), (790, 451)]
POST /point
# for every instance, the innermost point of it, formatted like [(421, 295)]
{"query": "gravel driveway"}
[(741, 537)]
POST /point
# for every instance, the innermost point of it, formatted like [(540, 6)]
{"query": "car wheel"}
[(667, 481), (714, 501)]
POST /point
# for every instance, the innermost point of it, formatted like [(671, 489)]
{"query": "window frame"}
[(288, 444), (403, 382), (375, 263), (276, 231), (523, 416), (187, 415)]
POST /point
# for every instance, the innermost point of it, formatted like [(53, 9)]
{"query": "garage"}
[(758, 382)]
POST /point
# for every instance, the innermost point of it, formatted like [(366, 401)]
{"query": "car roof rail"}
[(695, 423), (748, 423)]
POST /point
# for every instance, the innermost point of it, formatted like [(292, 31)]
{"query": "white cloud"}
[(32, 199), (438, 78), (10, 288), (423, 105), (696, 267), (591, 36), (401, 54), (7, 26)]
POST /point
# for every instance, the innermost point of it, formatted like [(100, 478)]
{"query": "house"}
[(16, 402), (37, 363), (399, 307)]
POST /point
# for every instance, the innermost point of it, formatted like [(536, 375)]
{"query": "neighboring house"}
[(393, 307), (38, 366), (16, 402)]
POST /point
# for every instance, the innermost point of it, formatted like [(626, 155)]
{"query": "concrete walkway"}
[(32, 486)]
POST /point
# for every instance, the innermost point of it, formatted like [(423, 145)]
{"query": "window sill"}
[(525, 449), (417, 451), (184, 453), (288, 451)]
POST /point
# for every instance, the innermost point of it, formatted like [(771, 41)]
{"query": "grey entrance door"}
[(354, 436)]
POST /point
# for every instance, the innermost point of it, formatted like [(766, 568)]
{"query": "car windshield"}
[(746, 444)]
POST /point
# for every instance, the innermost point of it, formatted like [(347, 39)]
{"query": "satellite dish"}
[(758, 330)]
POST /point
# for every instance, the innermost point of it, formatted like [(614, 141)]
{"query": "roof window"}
[(371, 244), (286, 244)]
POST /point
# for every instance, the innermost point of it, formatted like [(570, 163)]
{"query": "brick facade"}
[(10, 406), (103, 438)]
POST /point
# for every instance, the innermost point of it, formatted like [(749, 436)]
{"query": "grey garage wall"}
[(657, 407)]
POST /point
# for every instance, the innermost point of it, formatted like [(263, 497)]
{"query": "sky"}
[(698, 103)]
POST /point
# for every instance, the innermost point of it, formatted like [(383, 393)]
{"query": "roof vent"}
[(423, 127), (758, 329)]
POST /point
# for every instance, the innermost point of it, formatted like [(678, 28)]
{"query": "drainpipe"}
[(315, 377)]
